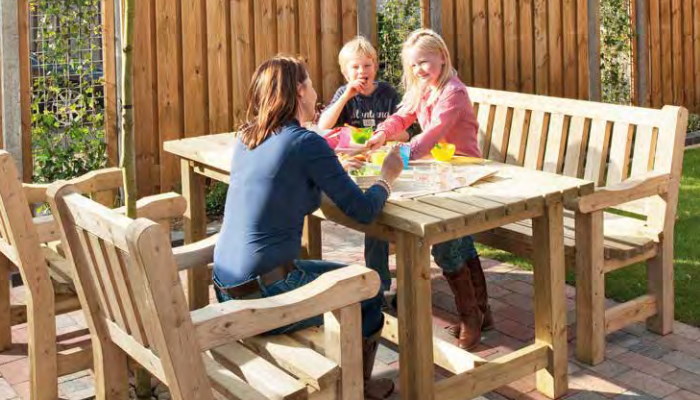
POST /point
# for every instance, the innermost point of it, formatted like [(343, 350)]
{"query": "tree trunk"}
[(128, 161)]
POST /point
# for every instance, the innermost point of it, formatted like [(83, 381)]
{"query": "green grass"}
[(630, 282)]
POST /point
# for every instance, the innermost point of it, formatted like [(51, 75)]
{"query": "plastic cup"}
[(405, 152)]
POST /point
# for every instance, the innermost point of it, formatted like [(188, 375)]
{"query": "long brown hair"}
[(272, 98)]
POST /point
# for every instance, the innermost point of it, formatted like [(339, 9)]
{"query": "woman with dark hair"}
[(278, 172)]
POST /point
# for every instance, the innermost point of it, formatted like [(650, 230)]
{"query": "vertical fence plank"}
[(655, 52), (688, 59), (666, 52), (349, 18), (463, 32), (569, 49), (309, 43), (556, 77), (582, 48), (169, 67), (480, 35), (677, 51), (330, 44), (541, 48), (425, 13), (366, 19), (496, 58), (593, 17), (265, 25), (287, 33), (640, 52), (194, 67), (243, 45), (447, 26), (696, 54), (510, 45), (527, 47), (218, 58)]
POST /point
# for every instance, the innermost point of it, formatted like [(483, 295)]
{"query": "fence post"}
[(425, 13), (436, 16), (594, 50), (11, 109), (641, 55), (367, 20)]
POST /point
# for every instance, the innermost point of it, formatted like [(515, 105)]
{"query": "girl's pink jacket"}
[(450, 118)]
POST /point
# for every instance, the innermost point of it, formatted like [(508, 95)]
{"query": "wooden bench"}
[(32, 246), (634, 155), (135, 306)]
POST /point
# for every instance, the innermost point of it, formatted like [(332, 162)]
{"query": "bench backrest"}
[(604, 143), (128, 286)]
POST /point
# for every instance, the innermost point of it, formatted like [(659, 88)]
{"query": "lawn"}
[(630, 282)]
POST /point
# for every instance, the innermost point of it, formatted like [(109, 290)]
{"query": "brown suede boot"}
[(375, 389), (470, 316), (482, 297)]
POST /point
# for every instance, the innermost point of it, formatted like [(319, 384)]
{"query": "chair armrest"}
[(195, 254), (632, 189), (218, 324), (93, 181), (159, 207)]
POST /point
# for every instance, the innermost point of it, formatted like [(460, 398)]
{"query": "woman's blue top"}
[(272, 188)]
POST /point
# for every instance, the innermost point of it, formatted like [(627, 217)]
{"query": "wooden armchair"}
[(128, 283), (32, 246)]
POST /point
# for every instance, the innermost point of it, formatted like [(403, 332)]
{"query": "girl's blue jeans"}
[(305, 272), (450, 256)]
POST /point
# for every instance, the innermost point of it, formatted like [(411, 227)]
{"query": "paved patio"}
[(639, 364)]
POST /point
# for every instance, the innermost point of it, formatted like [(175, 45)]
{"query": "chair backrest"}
[(128, 285), (604, 143)]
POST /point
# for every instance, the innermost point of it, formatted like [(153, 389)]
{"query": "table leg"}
[(195, 229), (311, 240), (550, 300), (415, 318)]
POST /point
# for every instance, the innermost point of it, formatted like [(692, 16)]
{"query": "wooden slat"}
[(102, 298), (666, 53), (655, 53), (481, 46), (226, 382), (570, 50), (576, 143), (499, 134), (536, 140), (677, 50), (556, 144), (330, 44), (496, 56), (243, 46), (484, 117), (463, 41), (541, 47), (643, 156), (696, 53), (510, 47), (349, 19), (527, 47), (582, 48), (627, 313), (169, 73), (554, 34), (265, 22), (688, 58), (518, 137), (597, 151), (620, 147), (287, 32), (341, 341), (105, 276), (145, 97), (219, 70), (447, 22), (194, 66), (309, 45)]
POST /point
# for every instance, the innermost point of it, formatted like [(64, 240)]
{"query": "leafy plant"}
[(616, 50), (396, 19), (67, 102)]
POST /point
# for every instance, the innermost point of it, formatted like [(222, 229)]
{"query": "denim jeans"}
[(305, 272), (450, 256)]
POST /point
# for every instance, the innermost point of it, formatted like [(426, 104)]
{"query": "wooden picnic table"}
[(414, 224)]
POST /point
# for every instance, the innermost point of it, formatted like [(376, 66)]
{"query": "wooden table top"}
[(511, 191)]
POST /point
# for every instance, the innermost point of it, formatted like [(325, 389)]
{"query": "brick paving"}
[(639, 364)]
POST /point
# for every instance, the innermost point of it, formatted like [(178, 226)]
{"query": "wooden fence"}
[(667, 53)]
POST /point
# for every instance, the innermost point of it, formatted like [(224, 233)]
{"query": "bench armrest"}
[(93, 181), (632, 189), (218, 324), (195, 254)]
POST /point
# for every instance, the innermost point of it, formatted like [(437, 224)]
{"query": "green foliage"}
[(616, 50), (67, 106), (216, 199), (396, 19)]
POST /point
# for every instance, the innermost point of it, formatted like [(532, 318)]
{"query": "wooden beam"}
[(436, 17), (630, 312), (594, 50), (367, 20), (425, 13), (641, 56)]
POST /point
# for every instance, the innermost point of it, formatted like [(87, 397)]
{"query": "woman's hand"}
[(392, 166), (350, 164), (376, 141)]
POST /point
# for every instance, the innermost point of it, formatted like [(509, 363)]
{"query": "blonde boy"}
[(362, 102)]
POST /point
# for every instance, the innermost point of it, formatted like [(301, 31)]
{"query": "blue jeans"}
[(450, 256), (305, 272)]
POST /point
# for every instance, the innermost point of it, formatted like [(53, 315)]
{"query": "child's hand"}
[(355, 87), (392, 165), (376, 141)]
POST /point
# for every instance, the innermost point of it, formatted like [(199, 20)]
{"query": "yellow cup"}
[(377, 157), (443, 151)]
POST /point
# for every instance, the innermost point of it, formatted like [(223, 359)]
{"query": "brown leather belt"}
[(253, 286)]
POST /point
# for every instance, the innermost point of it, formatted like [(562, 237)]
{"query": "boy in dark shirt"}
[(362, 103)]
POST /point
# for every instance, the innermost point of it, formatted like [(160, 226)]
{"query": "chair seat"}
[(274, 366), (624, 237)]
